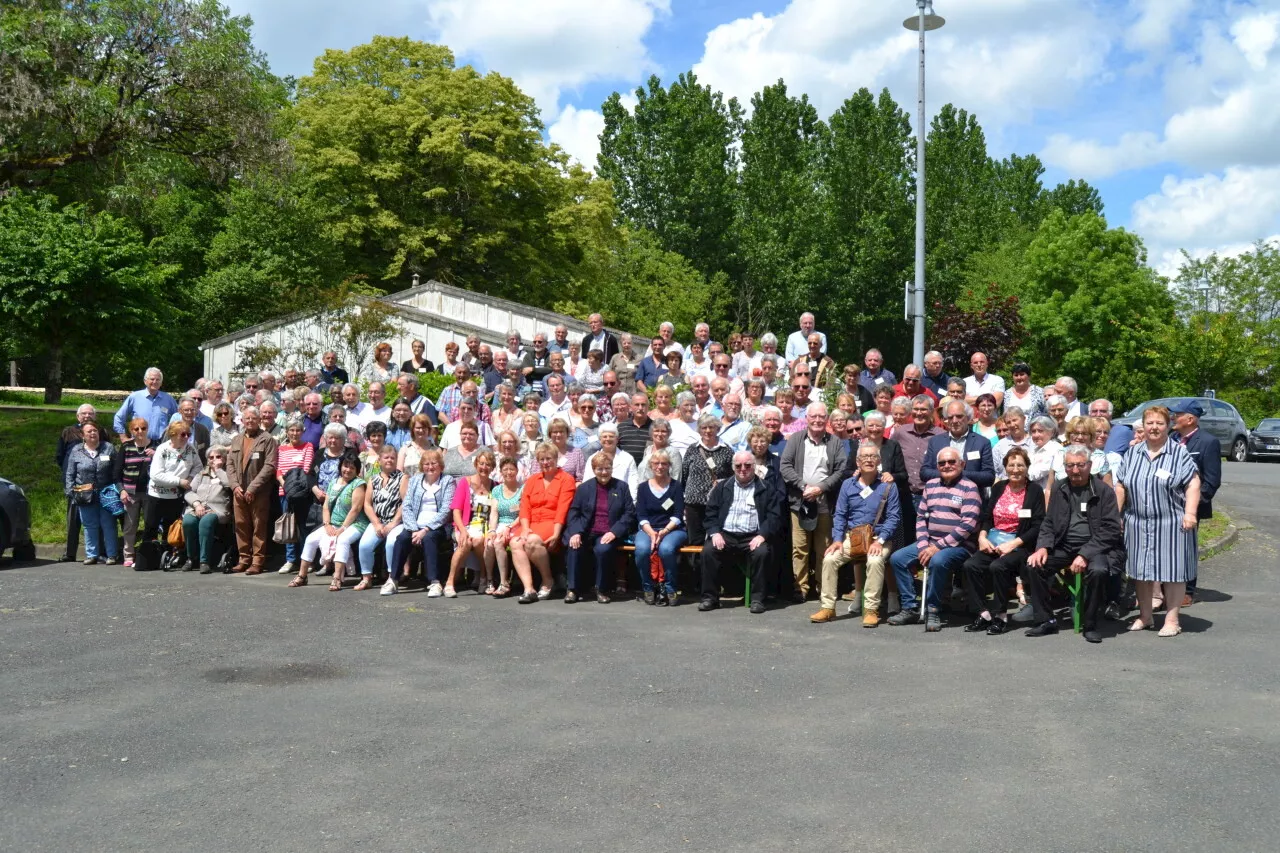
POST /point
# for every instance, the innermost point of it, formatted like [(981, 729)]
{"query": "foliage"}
[(432, 384), (86, 83), (28, 440), (994, 328), (66, 275)]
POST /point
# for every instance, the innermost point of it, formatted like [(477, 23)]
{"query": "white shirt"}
[(742, 517), (815, 462), (683, 436), (382, 415), (798, 344), (358, 416), (624, 469), (1074, 410), (989, 384), (452, 436), (550, 408)]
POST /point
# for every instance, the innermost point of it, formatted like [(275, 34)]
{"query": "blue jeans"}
[(95, 519), (941, 566), (290, 548), (668, 552), (369, 542)]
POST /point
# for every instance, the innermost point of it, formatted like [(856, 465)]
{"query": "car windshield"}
[(1137, 410), (1269, 424)]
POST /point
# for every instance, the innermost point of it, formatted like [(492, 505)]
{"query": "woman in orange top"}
[(544, 506)]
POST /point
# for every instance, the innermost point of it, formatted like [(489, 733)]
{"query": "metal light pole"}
[(922, 22), (1204, 287)]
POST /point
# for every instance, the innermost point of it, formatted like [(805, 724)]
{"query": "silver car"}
[(15, 522), (1220, 419)]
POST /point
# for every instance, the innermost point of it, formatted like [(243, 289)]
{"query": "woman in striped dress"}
[(1158, 490), (299, 454)]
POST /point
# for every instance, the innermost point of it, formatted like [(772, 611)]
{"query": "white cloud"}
[(1155, 23), (994, 57), (1222, 213), (550, 46), (578, 133), (1255, 36)]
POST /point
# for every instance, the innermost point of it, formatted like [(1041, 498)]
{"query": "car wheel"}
[(1239, 450)]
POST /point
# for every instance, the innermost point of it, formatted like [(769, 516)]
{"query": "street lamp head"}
[(930, 20)]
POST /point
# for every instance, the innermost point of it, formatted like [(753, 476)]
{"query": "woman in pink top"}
[(472, 505), (293, 453)]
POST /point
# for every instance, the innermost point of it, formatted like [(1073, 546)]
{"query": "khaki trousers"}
[(807, 547), (871, 590)]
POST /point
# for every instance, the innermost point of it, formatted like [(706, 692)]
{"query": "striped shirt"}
[(290, 457), (948, 515)]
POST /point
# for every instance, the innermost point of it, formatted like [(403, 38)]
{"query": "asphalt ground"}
[(224, 713)]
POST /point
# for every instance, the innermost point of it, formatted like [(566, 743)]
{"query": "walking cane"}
[(924, 589)]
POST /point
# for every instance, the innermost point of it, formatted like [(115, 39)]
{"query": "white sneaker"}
[(433, 591), (450, 592), (894, 603), (286, 568), (389, 588)]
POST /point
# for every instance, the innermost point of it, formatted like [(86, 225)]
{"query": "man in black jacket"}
[(598, 337), (743, 514), (1082, 532)]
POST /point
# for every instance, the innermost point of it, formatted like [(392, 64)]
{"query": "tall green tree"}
[(1019, 194), (1074, 198), (868, 179), (780, 215), (962, 214), (674, 170), (73, 283)]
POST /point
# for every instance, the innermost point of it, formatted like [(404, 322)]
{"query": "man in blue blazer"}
[(743, 514), (1206, 450), (594, 537), (975, 448)]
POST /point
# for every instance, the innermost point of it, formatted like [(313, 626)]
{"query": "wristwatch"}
[(880, 539)]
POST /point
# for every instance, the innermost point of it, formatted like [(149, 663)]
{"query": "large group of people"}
[(541, 467)]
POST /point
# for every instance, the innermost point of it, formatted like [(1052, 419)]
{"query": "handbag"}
[(858, 540), (110, 500), (83, 495), (656, 571), (175, 537), (286, 528)]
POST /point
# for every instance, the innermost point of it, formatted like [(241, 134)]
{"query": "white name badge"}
[(879, 380), (1162, 474), (257, 456), (972, 455), (1084, 506), (711, 463), (865, 493), (1024, 513), (668, 504)]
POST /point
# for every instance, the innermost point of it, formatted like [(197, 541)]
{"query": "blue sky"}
[(1170, 107)]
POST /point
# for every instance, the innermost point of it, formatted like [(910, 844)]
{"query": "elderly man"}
[(484, 370), (313, 420), (197, 417), (974, 449), (771, 419), (946, 520), (874, 374), (701, 388), (407, 384), (560, 340), (597, 337), (378, 409), (1206, 451), (1015, 422), (798, 341), (330, 372), (1082, 532), (312, 379), (633, 431), (557, 402), (743, 515), (701, 336), (251, 465), (1066, 386), (982, 382), (270, 413), (556, 362), (719, 387), (537, 363), (935, 379), (450, 396), (865, 499), (213, 391), (667, 332), (357, 411), (914, 442), (1121, 434), (652, 366), (151, 404), (911, 386), (498, 372), (189, 413), (734, 428), (820, 365), (472, 356), (292, 379), (813, 466), (269, 384)]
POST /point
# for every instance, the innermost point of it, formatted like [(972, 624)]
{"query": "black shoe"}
[(570, 597), (997, 627), (206, 569), (707, 604), (67, 558), (1044, 629), (601, 598), (978, 625), (650, 597), (1092, 636), (904, 617), (1115, 611), (527, 598), (797, 597), (757, 607)]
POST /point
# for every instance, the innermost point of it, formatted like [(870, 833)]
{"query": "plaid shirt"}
[(449, 399)]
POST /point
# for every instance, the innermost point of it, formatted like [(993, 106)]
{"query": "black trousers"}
[(737, 546), (695, 523), (158, 514), (987, 575), (1036, 584), (591, 553), (73, 530)]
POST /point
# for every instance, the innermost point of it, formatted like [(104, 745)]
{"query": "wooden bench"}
[(697, 549)]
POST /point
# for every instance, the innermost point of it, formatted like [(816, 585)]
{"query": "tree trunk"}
[(53, 383)]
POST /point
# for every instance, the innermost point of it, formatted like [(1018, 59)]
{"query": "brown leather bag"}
[(857, 540), (176, 537)]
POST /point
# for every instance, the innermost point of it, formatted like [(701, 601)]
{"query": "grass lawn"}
[(105, 403), (27, 444), (1213, 528)]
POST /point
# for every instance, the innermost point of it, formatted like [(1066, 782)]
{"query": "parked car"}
[(1264, 439), (15, 522), (1221, 419)]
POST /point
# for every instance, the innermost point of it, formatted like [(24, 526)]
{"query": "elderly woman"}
[(704, 465), (421, 439), (660, 512), (590, 372), (753, 389), (571, 460), (132, 472), (675, 375), (573, 361), (383, 507), (506, 415), (224, 425), (426, 521), (504, 520), (660, 439), (342, 523), (1057, 406), (472, 509), (458, 461), (664, 403), (1158, 491), (1015, 435), (450, 362), (985, 425), (544, 507), (529, 431), (399, 431), (1081, 430), (466, 413), (293, 454), (172, 468), (601, 517), (624, 364), (354, 440), (419, 363), (1044, 452), (585, 424), (208, 505), (509, 445), (625, 469), (1007, 533), (684, 426), (88, 469)]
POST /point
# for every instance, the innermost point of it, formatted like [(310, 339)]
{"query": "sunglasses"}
[(946, 462), (184, 434), (799, 387), (744, 467)]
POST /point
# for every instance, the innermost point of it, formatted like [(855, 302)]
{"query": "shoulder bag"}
[(858, 540)]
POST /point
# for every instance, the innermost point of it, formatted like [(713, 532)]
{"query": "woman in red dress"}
[(544, 506)]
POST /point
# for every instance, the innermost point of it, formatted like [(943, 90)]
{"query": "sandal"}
[(1139, 625), (502, 591), (544, 593), (365, 583), (336, 584), (300, 580), (489, 588)]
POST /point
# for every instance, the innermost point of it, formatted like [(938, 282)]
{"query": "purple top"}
[(600, 524)]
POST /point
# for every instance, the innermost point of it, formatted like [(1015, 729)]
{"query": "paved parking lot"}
[(180, 712)]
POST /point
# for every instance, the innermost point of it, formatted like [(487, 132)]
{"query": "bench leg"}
[(1077, 601)]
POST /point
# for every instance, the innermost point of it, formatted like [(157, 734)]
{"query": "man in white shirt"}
[(378, 408), (734, 429), (1066, 386), (798, 342), (982, 382), (668, 334), (212, 397), (701, 388), (702, 335), (557, 402), (357, 412)]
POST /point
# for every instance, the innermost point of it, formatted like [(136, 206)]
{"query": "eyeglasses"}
[(1075, 466), (943, 463), (183, 434), (743, 466), (799, 387)]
